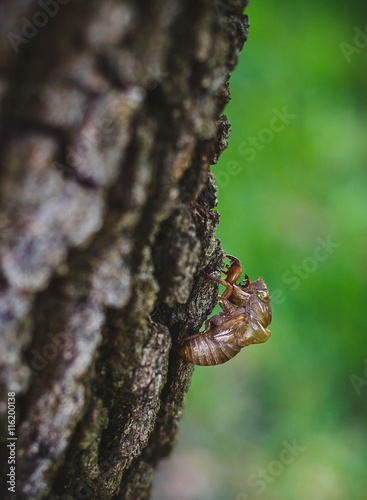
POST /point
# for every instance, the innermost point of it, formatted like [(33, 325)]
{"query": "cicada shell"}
[(244, 321)]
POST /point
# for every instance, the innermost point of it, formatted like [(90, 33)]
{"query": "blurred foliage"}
[(300, 184)]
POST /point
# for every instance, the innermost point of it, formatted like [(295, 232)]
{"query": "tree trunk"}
[(110, 119)]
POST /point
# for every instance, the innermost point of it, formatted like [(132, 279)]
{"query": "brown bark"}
[(110, 119)]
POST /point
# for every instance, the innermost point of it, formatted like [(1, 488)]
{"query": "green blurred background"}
[(302, 182)]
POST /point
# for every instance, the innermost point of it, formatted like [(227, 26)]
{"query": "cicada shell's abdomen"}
[(205, 351)]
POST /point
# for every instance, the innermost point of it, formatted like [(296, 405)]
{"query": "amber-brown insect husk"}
[(244, 320)]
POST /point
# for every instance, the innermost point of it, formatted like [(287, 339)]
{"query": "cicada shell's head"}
[(260, 289), (255, 333)]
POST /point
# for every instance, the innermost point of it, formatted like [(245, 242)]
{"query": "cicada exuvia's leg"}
[(224, 298), (234, 270)]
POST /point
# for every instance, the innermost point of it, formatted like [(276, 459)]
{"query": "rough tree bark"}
[(110, 119)]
